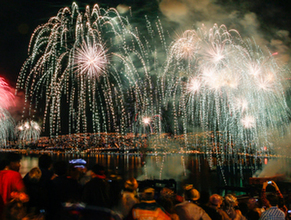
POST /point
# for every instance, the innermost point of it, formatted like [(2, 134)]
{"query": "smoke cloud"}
[(193, 13), (160, 166), (16, 109), (279, 165), (122, 9), (274, 167), (164, 167)]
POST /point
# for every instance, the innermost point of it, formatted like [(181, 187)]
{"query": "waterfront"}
[(183, 168)]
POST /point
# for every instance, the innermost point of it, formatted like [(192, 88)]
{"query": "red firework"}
[(6, 96)]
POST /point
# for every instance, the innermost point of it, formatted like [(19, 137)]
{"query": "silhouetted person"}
[(128, 198), (148, 207), (10, 178), (253, 212), (189, 209), (96, 191), (280, 197), (231, 207), (45, 164), (67, 188), (166, 200), (75, 188), (213, 208), (46, 195), (273, 212), (31, 182)]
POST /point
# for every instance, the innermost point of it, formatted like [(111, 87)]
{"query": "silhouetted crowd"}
[(68, 190)]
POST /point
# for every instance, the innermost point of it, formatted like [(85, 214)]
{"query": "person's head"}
[(3, 162), (97, 169), (60, 168), (215, 201), (191, 194), (45, 162), (148, 193), (130, 185), (252, 203), (204, 198), (77, 168), (13, 161), (74, 172), (273, 199), (167, 193), (230, 200), (34, 174)]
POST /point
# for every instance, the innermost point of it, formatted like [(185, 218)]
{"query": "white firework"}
[(28, 131), (6, 127), (233, 89), (91, 59)]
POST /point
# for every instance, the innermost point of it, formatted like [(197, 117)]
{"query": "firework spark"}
[(248, 121), (109, 76), (6, 121), (236, 87), (79, 74), (28, 131), (6, 97), (91, 60), (6, 127)]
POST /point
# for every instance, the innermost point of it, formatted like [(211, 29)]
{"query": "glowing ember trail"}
[(6, 121), (94, 72)]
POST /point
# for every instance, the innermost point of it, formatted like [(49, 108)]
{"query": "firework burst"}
[(28, 131), (7, 97), (6, 127), (92, 71), (229, 87), (71, 70), (6, 121), (91, 60)]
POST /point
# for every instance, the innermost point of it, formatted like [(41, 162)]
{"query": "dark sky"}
[(20, 17)]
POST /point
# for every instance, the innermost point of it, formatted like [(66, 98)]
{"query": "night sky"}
[(265, 20)]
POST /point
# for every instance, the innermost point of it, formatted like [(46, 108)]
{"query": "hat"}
[(188, 187), (192, 194), (148, 193), (215, 199), (149, 190), (166, 193), (230, 199), (252, 203), (78, 161)]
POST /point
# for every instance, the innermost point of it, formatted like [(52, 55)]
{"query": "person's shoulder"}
[(128, 195), (282, 213), (188, 205), (138, 205), (208, 209), (273, 211), (13, 173), (93, 182), (181, 204), (263, 215), (10, 174)]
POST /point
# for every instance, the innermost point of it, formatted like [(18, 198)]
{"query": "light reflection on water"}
[(196, 169)]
